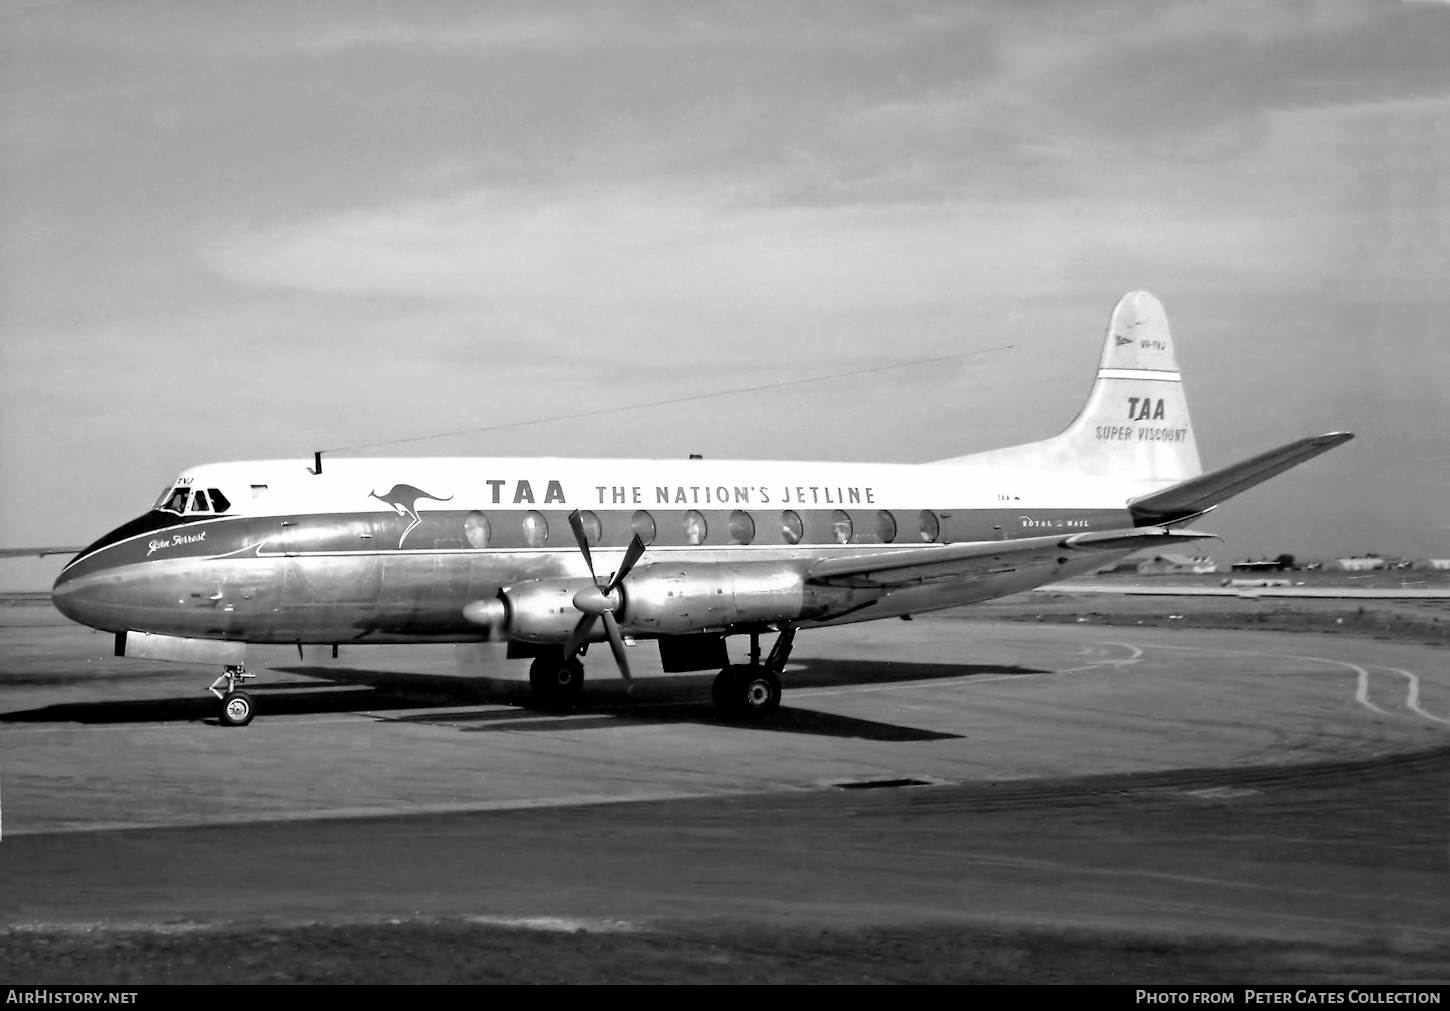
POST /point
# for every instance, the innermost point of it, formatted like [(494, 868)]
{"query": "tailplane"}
[(1196, 496), (1135, 425)]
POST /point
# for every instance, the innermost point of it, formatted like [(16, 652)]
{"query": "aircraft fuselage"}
[(393, 550)]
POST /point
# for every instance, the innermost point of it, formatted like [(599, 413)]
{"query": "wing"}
[(908, 566), (36, 552)]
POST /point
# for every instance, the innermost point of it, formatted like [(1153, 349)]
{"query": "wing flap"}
[(977, 559), (1199, 494)]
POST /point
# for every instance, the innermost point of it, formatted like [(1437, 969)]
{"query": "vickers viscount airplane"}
[(551, 555)]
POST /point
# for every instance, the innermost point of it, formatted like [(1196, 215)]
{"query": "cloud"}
[(533, 31), (713, 249)]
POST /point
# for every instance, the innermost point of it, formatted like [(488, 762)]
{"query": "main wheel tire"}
[(556, 681), (743, 691), (237, 709)]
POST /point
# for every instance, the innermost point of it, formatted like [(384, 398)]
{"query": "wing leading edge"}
[(906, 567), (36, 552)]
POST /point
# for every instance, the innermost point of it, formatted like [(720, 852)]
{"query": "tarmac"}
[(1175, 782)]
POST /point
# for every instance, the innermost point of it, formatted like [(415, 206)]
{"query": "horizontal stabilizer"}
[(901, 567), (1199, 494)]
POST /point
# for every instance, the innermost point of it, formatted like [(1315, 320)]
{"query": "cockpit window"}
[(176, 501)]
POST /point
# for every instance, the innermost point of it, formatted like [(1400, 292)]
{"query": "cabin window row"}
[(740, 527)]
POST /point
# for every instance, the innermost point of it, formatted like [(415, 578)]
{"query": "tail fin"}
[(1135, 425)]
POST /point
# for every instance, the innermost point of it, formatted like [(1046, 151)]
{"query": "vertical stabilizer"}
[(1135, 425)]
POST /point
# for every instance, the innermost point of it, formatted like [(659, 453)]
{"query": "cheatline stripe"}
[(1166, 377)]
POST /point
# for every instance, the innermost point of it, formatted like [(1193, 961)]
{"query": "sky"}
[(256, 230)]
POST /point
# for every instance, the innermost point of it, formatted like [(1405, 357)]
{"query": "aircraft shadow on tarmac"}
[(607, 703)]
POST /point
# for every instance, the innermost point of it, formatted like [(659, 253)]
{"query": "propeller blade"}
[(631, 555), (616, 643), (576, 523), (579, 636)]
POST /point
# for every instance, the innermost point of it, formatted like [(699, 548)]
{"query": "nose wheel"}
[(237, 706)]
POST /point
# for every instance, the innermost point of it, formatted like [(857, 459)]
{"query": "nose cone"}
[(69, 599), (82, 597), (88, 590)]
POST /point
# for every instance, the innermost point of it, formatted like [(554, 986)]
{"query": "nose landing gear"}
[(237, 706)]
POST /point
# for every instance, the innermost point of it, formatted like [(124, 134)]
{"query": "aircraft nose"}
[(75, 597), (88, 590)]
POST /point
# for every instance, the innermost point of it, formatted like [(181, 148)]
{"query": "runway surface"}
[(1174, 783), (1256, 589)]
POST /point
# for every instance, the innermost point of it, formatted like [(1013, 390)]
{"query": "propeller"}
[(601, 600)]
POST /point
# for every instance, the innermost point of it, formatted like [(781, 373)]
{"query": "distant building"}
[(1360, 563), (1166, 563), (1437, 563), (1262, 565)]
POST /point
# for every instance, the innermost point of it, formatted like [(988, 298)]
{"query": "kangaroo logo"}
[(1121, 340), (403, 499)]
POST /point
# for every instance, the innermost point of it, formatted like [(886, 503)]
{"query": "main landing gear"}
[(753, 689), (237, 707), (740, 691), (556, 682)]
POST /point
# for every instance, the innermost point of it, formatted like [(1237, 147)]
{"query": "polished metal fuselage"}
[(343, 578)]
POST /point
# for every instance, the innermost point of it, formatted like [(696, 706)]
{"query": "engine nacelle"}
[(543, 610), (662, 599), (665, 599)]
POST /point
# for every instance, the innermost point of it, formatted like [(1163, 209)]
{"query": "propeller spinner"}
[(601, 600)]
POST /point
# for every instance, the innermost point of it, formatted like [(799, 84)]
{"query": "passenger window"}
[(198, 502), (742, 527), (791, 529), (536, 529), (930, 525), (841, 526), (695, 529), (885, 526), (219, 502), (592, 530), (476, 529), (257, 490), (643, 524)]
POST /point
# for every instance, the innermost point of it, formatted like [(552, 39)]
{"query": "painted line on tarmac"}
[(1362, 675), (1412, 695), (1137, 657)]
